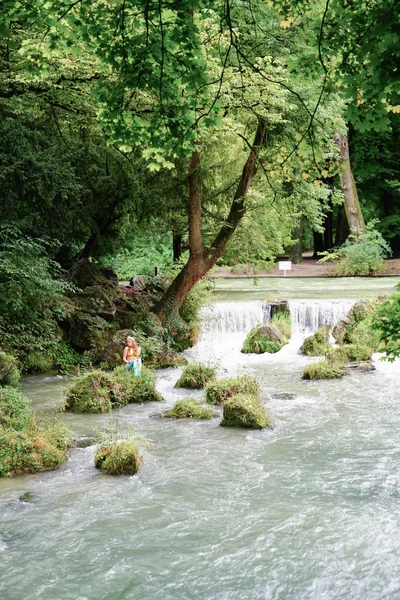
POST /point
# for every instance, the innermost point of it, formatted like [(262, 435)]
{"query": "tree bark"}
[(296, 253), (352, 206), (202, 258)]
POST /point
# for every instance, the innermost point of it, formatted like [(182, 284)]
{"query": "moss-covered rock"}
[(119, 458), (195, 376), (98, 392), (188, 408), (324, 369), (85, 273), (246, 411), (318, 343), (264, 338), (349, 352), (218, 392), (9, 372), (343, 331)]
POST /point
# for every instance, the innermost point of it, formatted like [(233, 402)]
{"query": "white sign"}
[(285, 265)]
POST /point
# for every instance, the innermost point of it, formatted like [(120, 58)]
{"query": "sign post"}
[(285, 265)]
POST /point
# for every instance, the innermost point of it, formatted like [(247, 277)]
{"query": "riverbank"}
[(309, 268)]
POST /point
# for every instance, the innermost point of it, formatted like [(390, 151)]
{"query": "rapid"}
[(309, 510)]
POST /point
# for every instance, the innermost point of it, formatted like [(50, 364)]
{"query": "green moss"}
[(316, 344), (245, 411), (195, 376), (119, 458), (15, 409), (324, 369), (264, 338), (98, 392), (218, 392), (188, 408), (9, 373)]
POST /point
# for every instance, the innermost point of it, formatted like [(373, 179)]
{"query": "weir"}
[(241, 317)]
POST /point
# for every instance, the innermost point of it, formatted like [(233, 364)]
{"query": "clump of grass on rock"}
[(318, 343), (116, 456), (269, 338), (245, 411), (324, 369), (28, 445), (99, 392), (218, 392), (195, 376), (188, 408)]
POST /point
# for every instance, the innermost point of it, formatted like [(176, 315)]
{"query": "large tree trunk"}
[(352, 206), (201, 258), (296, 253)]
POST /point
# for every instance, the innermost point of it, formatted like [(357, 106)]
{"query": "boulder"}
[(265, 338), (318, 343), (245, 411), (84, 273)]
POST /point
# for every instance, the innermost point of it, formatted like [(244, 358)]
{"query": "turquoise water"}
[(307, 510)]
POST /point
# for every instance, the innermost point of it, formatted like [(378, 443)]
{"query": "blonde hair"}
[(136, 352), (130, 339)]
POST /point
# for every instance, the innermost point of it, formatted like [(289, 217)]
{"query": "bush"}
[(219, 392), (244, 411), (9, 373), (362, 254), (350, 352), (188, 408), (195, 376), (15, 409), (385, 323), (36, 361), (316, 344), (98, 392), (324, 369)]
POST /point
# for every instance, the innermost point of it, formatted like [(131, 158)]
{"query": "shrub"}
[(218, 392), (324, 369), (195, 376), (98, 392), (244, 411), (316, 344), (15, 409), (188, 408), (362, 254), (348, 352), (9, 373), (385, 322)]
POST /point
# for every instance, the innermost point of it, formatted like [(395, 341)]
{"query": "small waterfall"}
[(232, 317), (308, 315)]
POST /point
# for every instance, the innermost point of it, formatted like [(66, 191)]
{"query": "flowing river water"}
[(309, 510)]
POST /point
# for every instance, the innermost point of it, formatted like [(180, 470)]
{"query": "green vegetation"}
[(9, 373), (218, 392), (246, 411), (195, 376), (28, 445), (188, 408), (324, 369), (316, 344), (363, 254), (117, 454), (98, 392), (281, 320), (349, 352)]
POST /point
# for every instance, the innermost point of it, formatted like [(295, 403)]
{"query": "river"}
[(309, 510)]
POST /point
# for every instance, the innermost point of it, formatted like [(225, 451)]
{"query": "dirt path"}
[(309, 268)]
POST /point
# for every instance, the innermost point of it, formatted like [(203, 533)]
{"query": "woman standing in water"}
[(131, 356)]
